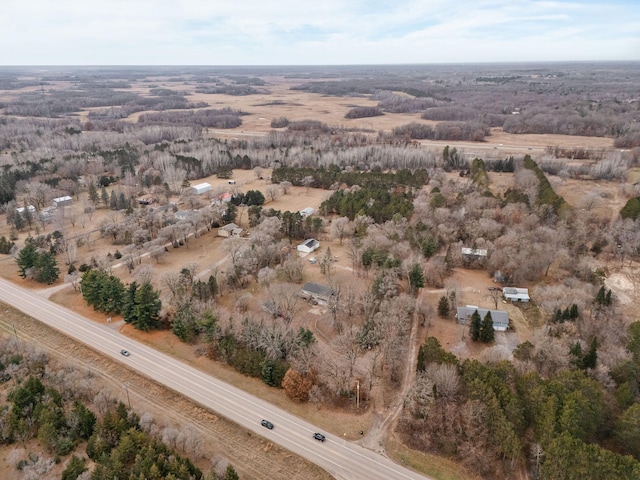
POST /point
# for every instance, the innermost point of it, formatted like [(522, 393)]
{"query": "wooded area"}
[(393, 218)]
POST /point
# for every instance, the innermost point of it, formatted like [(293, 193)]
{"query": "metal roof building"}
[(500, 317)]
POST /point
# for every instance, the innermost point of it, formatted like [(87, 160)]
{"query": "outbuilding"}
[(309, 246), (307, 212), (516, 294), (62, 201), (201, 188)]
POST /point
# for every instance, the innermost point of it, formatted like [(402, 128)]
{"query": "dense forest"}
[(58, 413)]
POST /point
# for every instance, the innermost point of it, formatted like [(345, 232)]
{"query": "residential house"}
[(500, 317), (317, 292), (230, 230), (516, 294)]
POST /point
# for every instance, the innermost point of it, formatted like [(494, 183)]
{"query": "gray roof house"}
[(317, 292), (500, 317), (516, 294), (230, 229)]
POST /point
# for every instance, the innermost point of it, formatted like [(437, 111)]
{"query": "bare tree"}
[(285, 186), (341, 227), (272, 192)]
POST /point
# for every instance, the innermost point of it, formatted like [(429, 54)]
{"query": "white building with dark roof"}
[(516, 294), (308, 246)]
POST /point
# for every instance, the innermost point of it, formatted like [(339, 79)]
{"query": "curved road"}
[(343, 460)]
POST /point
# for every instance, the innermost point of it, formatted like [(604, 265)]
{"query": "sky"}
[(315, 32)]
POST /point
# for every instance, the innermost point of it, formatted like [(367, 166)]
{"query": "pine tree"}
[(573, 313), (416, 278), (591, 357), (27, 257), (129, 303), (486, 329), (147, 308), (105, 197), (474, 327), (93, 193), (46, 268), (443, 307), (113, 201)]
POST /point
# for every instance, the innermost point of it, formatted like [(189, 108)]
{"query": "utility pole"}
[(358, 394), (15, 332)]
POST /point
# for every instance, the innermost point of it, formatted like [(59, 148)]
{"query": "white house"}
[(306, 212), (309, 246), (500, 318), (201, 188), (516, 294), (62, 201)]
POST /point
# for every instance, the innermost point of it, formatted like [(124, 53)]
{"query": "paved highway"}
[(342, 459)]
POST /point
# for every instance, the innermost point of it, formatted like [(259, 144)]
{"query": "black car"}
[(125, 353), (267, 423), (319, 436)]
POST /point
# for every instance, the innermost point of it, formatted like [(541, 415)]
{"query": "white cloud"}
[(303, 32)]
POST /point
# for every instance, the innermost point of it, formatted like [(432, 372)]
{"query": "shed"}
[(516, 294), (500, 317), (306, 212), (474, 252), (317, 292), (308, 246), (230, 229), (62, 201), (21, 210), (201, 188), (46, 214)]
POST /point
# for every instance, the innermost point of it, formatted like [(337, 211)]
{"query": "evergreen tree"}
[(416, 278), (129, 303), (591, 357), (573, 313), (74, 468), (93, 193), (104, 197), (147, 308), (231, 474), (46, 268), (113, 201), (443, 307), (428, 247), (475, 326), (27, 257), (213, 285), (486, 329)]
